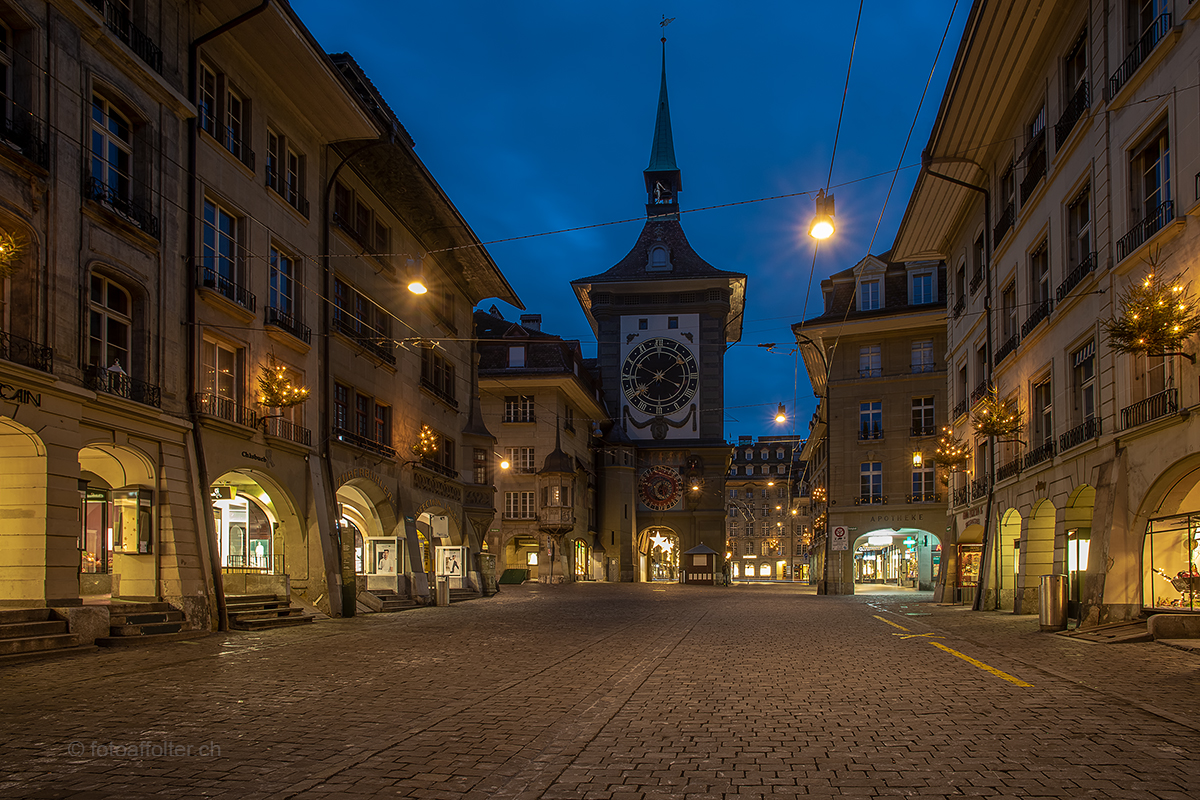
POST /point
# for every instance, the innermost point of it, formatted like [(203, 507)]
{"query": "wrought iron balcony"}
[(870, 500), (23, 132), (1079, 102), (343, 435), (960, 305), (923, 430), (1090, 429), (1009, 470), (1008, 348), (927, 497), (290, 194), (283, 429), (116, 19), (133, 210), (918, 369), (440, 394), (1153, 407), (109, 381), (979, 392), (1004, 224), (288, 322), (25, 352), (366, 337), (1041, 312), (1072, 280), (979, 487), (440, 469), (870, 372), (960, 496), (1035, 171), (226, 408), (1039, 454), (959, 409), (235, 144), (211, 279), (867, 432), (1154, 222), (1140, 52), (976, 280), (241, 564)]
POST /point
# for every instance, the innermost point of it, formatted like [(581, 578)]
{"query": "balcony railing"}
[(25, 352), (866, 432), (979, 392), (1007, 349), (1039, 454), (1035, 171), (1140, 52), (211, 279), (979, 487), (133, 210), (870, 499), (1009, 470), (1079, 102), (109, 381), (1155, 221), (1153, 407), (870, 372), (959, 409), (960, 496), (235, 144), (440, 469), (211, 405), (923, 430), (976, 281), (929, 366), (241, 564), (289, 323), (23, 132), (283, 429), (1090, 429), (440, 394), (1084, 269), (116, 19), (927, 497), (290, 196), (526, 417), (960, 305), (366, 337), (1007, 217), (343, 435), (1040, 313)]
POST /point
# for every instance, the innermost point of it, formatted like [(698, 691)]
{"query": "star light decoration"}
[(993, 417), (1156, 317), (276, 390), (950, 453), (426, 443), (661, 542)]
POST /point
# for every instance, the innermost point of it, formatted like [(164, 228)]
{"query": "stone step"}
[(115, 609), (146, 629), (256, 604), (10, 616), (58, 652), (31, 644), (271, 622), (150, 618), (251, 598), (17, 630), (399, 605), (149, 638)]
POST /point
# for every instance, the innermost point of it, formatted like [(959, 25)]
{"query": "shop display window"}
[(1171, 562), (969, 558)]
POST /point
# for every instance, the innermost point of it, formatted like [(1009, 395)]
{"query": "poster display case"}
[(1171, 563)]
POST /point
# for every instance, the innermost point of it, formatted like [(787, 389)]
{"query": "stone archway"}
[(262, 543), (910, 557), (658, 546), (118, 536), (1010, 556), (1037, 556), (26, 575), (1168, 522), (1077, 527)]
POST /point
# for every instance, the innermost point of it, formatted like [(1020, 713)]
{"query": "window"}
[(672, 323), (1140, 16), (437, 374), (1152, 375), (922, 417), (921, 288), (286, 168), (922, 355), (868, 295), (749, 550), (870, 481), (1151, 176), (443, 458), (283, 282), (643, 324), (1039, 275), (870, 361), (206, 101), (221, 377), (977, 262), (220, 254), (749, 454), (521, 459), (1083, 371), (1079, 229), (236, 119), (779, 452), (359, 318), (922, 481), (764, 453), (1043, 414), (1075, 68), (960, 283), (569, 419), (963, 385), (110, 322), (341, 406), (1035, 153), (516, 356), (518, 408), (870, 420), (518, 505), (1008, 311), (357, 219), (749, 470), (112, 151)]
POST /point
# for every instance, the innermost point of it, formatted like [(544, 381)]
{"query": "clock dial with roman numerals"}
[(659, 376)]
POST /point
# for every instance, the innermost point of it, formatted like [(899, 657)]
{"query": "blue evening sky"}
[(538, 116)]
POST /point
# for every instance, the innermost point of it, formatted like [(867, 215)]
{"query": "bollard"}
[(1052, 603)]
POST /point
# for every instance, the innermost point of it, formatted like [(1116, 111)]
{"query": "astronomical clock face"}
[(659, 376), (660, 488)]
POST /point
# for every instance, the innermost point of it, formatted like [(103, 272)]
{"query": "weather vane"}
[(665, 22)]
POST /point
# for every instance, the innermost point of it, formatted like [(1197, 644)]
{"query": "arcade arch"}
[(24, 537), (1037, 555), (261, 538), (1169, 520), (659, 551), (1010, 556), (901, 556), (117, 538)]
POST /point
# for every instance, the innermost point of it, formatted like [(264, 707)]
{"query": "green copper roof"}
[(662, 149)]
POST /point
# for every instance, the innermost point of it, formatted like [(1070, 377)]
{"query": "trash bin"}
[(1052, 603), (443, 597)]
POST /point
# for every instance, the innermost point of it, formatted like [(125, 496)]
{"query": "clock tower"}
[(663, 318)]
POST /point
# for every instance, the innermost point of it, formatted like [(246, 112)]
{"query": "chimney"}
[(531, 322)]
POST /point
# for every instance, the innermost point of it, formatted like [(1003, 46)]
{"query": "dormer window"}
[(660, 260), (922, 286), (869, 294)]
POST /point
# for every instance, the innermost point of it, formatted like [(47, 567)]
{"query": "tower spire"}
[(663, 180)]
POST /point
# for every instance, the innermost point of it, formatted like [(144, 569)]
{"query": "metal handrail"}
[(26, 352), (1151, 224), (1040, 313), (213, 405), (1007, 349), (1007, 217), (211, 279), (1076, 275), (132, 210), (1089, 429), (288, 322), (343, 435), (1079, 102), (1138, 54), (1039, 454), (1153, 407), (285, 429), (110, 381)]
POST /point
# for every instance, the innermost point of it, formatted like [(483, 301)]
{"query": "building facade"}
[(216, 381), (876, 358), (768, 520), (1072, 185)]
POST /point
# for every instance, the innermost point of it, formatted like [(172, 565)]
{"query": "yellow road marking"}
[(889, 622), (918, 635), (982, 666)]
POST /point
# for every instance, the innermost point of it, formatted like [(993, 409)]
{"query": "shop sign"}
[(261, 459), (437, 486), (19, 395), (221, 493), (913, 517)]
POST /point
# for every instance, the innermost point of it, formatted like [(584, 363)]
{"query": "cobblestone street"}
[(615, 691)]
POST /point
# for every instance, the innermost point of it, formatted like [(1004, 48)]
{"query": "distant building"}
[(768, 522)]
